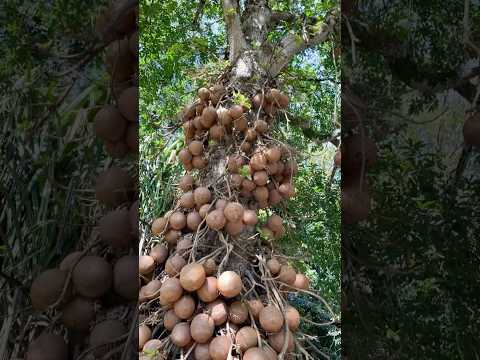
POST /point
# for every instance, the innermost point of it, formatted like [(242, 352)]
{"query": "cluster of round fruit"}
[(208, 312), (117, 125), (267, 178), (93, 280), (357, 154)]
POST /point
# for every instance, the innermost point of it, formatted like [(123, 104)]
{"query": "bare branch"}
[(236, 38), (294, 44)]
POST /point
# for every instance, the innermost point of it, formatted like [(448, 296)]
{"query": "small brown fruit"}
[(229, 284), (47, 288), (92, 277), (234, 211), (78, 314), (202, 328), (210, 267), (184, 307), (47, 347), (186, 183), (274, 266), (209, 117), (103, 334), (172, 236), (277, 341), (110, 124), (220, 347), (250, 217), (238, 312), (193, 220), (258, 162), (235, 111), (287, 275), (180, 335), (293, 318), (271, 319), (261, 193), (178, 220), (260, 178), (273, 154), (255, 306), (234, 228), (170, 291), (159, 225), (202, 195), (170, 320), (216, 220), (128, 103), (159, 253), (261, 126), (144, 334), (246, 338), (204, 94), (192, 276), (174, 265), (208, 292), (301, 282), (218, 311), (125, 277)]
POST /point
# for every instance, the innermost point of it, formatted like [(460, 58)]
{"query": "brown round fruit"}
[(273, 154), (201, 352), (274, 266), (184, 307), (250, 135), (202, 196), (261, 126), (185, 156), (193, 220), (170, 320), (277, 341), (286, 190), (235, 111), (255, 306), (248, 185), (47, 288), (254, 353), (195, 148), (240, 124), (287, 275), (203, 211), (202, 328), (275, 222), (204, 94), (261, 193), (170, 291), (178, 220), (258, 162), (159, 225), (103, 334), (216, 220), (183, 245), (146, 265), (151, 290), (229, 284), (220, 347), (144, 334), (159, 253), (246, 338), (125, 277), (199, 162), (70, 261), (180, 335), (92, 277), (78, 314), (47, 347), (210, 267), (236, 181), (218, 311), (217, 132), (128, 103), (110, 124), (113, 187), (186, 183), (238, 312), (221, 204), (260, 178), (250, 217), (209, 117), (114, 229), (301, 282), (208, 292), (234, 228), (234, 211), (192, 276), (172, 236), (274, 197), (293, 318), (174, 265), (271, 319), (224, 116)]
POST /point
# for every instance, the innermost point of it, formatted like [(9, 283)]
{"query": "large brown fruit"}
[(274, 197), (193, 220), (202, 328), (201, 352), (233, 211), (172, 236), (146, 265), (218, 311), (286, 190), (271, 319), (293, 318), (47, 288), (150, 291), (240, 124), (184, 307), (186, 183), (115, 230), (261, 126), (92, 277), (255, 354), (356, 150), (258, 161), (217, 132), (103, 334), (192, 277), (180, 335), (78, 314), (70, 261), (170, 291), (216, 220), (287, 275), (224, 116), (178, 220), (170, 320), (209, 117), (246, 338), (109, 124), (159, 225), (47, 347), (125, 275), (229, 284), (185, 156), (204, 94), (220, 347), (128, 103), (114, 186), (261, 193), (274, 266), (471, 130), (234, 163), (238, 312), (301, 282), (277, 341), (235, 111), (208, 292), (202, 196), (195, 148), (250, 217), (174, 265), (260, 178), (199, 162), (273, 154), (255, 306), (234, 228), (187, 200)]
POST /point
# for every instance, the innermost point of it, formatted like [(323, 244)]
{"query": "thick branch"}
[(236, 38), (294, 44), (256, 19)]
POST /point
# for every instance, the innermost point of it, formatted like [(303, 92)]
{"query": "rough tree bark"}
[(253, 58)]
